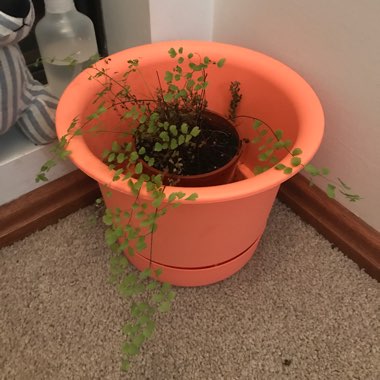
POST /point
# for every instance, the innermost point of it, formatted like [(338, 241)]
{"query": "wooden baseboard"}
[(45, 205), (356, 239), (57, 199)]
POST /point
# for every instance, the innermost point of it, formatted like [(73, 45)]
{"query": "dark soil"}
[(213, 148)]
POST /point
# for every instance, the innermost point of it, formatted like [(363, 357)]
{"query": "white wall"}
[(181, 19), (135, 22), (126, 23), (335, 46)]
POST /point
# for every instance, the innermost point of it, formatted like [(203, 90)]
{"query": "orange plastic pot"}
[(208, 240)]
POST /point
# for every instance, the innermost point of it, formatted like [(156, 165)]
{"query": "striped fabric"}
[(24, 102)]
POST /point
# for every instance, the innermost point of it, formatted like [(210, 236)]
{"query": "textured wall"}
[(181, 19), (335, 46), (126, 23)]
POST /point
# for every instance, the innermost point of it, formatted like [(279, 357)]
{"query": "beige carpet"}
[(298, 310)]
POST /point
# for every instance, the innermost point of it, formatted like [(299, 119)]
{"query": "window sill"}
[(20, 160)]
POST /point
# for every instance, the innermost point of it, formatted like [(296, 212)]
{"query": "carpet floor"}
[(298, 310)]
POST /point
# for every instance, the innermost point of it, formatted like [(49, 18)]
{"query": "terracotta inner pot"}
[(219, 176)]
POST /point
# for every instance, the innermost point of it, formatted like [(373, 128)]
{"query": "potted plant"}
[(209, 127)]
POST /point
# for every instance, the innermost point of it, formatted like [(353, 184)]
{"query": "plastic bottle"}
[(67, 43)]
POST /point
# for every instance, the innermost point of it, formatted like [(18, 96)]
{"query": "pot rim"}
[(309, 113)]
